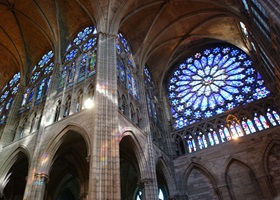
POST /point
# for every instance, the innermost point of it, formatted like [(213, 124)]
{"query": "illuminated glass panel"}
[(251, 126), (216, 139), (82, 67), (264, 122), (92, 64), (211, 82), (39, 79), (228, 137), (79, 58), (211, 140), (239, 130), (258, 123), (233, 131), (191, 144), (8, 93), (270, 118), (246, 128), (125, 66), (276, 116), (222, 135), (40, 89)]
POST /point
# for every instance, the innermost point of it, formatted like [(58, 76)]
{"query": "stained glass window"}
[(39, 79), (251, 126), (151, 95), (126, 67), (211, 82), (7, 96), (80, 58)]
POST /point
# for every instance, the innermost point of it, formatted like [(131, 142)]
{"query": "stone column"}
[(150, 191), (35, 186), (223, 190), (266, 187), (104, 178), (9, 130), (39, 185)]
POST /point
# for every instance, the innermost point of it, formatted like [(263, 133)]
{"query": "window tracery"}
[(7, 96), (79, 60), (39, 81), (211, 82), (228, 127), (126, 69), (151, 96)]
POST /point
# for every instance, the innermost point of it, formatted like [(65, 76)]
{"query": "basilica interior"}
[(139, 99)]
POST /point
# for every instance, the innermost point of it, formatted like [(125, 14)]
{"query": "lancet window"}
[(7, 96), (79, 60), (39, 81), (152, 101), (126, 69)]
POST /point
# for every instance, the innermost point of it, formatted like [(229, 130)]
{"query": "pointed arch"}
[(270, 160), (167, 174), (14, 172), (239, 175), (47, 156), (202, 170)]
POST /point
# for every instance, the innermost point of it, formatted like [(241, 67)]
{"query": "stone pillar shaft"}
[(12, 118), (104, 180), (150, 188)]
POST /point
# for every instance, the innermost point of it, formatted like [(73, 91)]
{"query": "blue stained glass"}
[(31, 95), (276, 116), (222, 135), (245, 128), (270, 118), (214, 78), (82, 69), (49, 68), (124, 43), (258, 123), (129, 82), (216, 139), (15, 89), (40, 89), (89, 44), (34, 77), (264, 122), (83, 35), (45, 59), (251, 126), (148, 75), (15, 79), (4, 96), (239, 130), (72, 54)]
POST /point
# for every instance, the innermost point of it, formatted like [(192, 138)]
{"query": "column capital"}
[(145, 181), (41, 177)]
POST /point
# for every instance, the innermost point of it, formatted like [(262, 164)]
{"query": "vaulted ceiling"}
[(160, 32)]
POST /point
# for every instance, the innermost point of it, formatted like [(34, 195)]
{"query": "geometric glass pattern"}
[(211, 82), (80, 58), (126, 70), (40, 76), (7, 96)]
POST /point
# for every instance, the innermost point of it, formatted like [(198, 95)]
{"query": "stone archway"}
[(15, 180), (69, 172)]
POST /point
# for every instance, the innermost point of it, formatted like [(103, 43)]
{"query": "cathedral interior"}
[(139, 99)]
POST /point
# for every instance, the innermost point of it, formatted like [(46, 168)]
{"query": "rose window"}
[(211, 82)]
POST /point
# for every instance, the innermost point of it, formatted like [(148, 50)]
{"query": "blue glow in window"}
[(211, 82)]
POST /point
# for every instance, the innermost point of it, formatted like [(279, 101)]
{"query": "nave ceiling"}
[(160, 32)]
